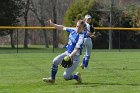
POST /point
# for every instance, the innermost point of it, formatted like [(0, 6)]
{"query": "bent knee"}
[(66, 77)]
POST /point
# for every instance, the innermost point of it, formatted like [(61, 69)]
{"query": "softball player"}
[(87, 42), (73, 49)]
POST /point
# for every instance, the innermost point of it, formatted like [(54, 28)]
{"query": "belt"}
[(87, 37)]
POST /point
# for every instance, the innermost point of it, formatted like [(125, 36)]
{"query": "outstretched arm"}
[(74, 52), (59, 27)]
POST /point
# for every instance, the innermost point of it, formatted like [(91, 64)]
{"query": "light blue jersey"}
[(75, 40), (73, 50)]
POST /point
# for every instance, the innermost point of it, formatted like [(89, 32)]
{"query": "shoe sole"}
[(79, 77), (47, 80)]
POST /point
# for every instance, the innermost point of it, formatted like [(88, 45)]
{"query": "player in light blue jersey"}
[(73, 49), (89, 33)]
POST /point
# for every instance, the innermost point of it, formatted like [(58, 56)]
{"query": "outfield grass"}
[(108, 72), (30, 49)]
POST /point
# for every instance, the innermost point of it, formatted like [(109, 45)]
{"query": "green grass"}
[(108, 72)]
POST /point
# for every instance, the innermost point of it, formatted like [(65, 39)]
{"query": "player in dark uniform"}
[(89, 33)]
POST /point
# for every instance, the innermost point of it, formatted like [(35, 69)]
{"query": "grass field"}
[(108, 72)]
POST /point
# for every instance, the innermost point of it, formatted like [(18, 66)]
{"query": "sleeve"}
[(64, 28), (92, 29), (80, 41), (88, 26), (67, 29)]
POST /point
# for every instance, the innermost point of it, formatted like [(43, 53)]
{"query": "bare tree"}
[(27, 7), (54, 14), (12, 39), (59, 8), (38, 10)]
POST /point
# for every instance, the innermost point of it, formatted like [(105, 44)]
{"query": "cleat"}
[(79, 80), (48, 80), (86, 68), (82, 66)]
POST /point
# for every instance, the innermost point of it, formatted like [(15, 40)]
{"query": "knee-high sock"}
[(73, 77), (83, 62), (54, 71), (87, 61)]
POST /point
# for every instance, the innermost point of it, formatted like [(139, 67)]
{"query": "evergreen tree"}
[(100, 11), (10, 10)]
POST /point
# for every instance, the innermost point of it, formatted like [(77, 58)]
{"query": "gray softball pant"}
[(68, 72), (88, 47)]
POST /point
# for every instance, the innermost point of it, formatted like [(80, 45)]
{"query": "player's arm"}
[(74, 52), (92, 35), (92, 31), (78, 45), (59, 27)]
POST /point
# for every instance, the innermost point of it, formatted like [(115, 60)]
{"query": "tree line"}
[(67, 12), (123, 15), (32, 13)]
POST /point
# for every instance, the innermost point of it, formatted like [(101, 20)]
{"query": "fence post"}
[(53, 41)]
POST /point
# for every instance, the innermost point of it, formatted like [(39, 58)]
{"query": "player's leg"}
[(88, 52), (68, 73), (83, 60), (57, 60), (88, 48)]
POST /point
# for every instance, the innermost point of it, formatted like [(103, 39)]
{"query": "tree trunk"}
[(45, 34), (26, 41), (46, 38), (12, 39), (55, 37), (26, 33)]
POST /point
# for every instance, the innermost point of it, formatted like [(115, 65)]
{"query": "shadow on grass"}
[(85, 84), (18, 48), (123, 68), (31, 50)]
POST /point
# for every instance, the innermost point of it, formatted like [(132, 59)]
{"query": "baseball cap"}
[(87, 16)]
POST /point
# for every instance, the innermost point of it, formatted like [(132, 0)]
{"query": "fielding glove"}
[(67, 62)]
